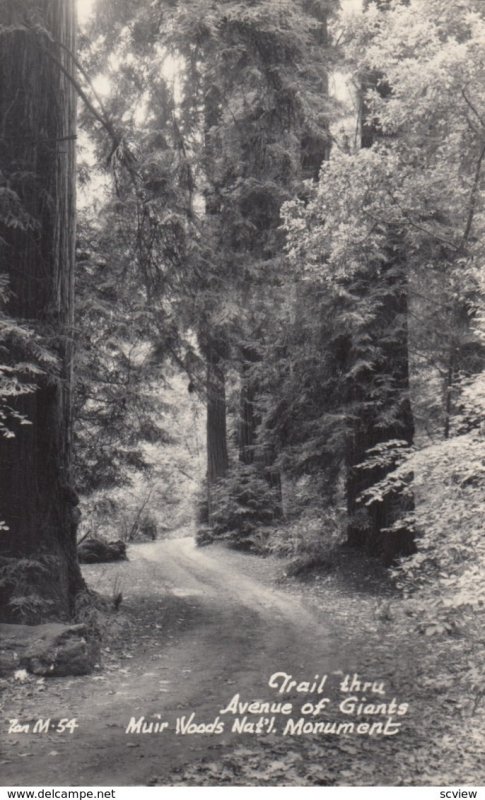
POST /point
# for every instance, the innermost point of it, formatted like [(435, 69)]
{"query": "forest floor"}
[(198, 626)]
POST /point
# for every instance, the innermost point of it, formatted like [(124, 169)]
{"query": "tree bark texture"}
[(248, 420), (217, 454), (37, 162)]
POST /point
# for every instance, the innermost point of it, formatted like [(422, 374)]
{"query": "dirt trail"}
[(206, 629)]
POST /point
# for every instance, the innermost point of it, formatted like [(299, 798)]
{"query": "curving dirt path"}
[(204, 627), (198, 626)]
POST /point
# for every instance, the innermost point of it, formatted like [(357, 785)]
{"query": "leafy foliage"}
[(117, 401), (389, 242), (25, 356), (21, 587), (244, 504), (443, 577)]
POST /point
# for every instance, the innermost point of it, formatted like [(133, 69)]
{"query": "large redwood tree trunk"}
[(37, 161)]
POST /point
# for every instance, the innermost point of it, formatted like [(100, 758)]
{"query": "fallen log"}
[(52, 649), (98, 551)]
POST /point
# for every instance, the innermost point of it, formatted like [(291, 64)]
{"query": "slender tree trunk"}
[(247, 423), (251, 451), (448, 392), (217, 454), (37, 161), (247, 416)]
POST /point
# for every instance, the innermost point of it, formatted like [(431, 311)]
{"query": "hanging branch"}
[(127, 158)]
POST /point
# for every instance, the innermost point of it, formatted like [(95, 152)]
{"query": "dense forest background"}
[(276, 324)]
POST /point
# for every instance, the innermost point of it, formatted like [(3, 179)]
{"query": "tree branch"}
[(421, 228), (472, 107), (473, 200)]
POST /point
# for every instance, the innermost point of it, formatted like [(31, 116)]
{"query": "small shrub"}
[(26, 591), (312, 536), (243, 503), (204, 535)]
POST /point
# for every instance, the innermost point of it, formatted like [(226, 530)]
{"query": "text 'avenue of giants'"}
[(335, 704)]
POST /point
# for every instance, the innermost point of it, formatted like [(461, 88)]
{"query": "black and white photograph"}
[(242, 395)]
